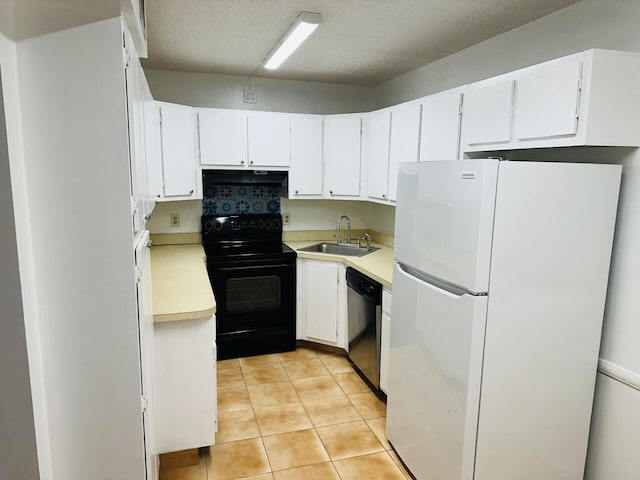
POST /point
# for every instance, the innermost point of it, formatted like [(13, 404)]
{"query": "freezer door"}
[(436, 352), (444, 219)]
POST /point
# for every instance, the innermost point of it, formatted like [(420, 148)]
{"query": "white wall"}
[(18, 455), (190, 212), (9, 72), (611, 24), (76, 180), (324, 214), (225, 91)]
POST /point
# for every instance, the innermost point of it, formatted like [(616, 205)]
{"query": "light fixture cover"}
[(304, 24)]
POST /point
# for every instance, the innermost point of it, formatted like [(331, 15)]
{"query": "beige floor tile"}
[(195, 472), (312, 367), (398, 462), (299, 354), (282, 418), (259, 360), (379, 427), (294, 449), (234, 426), (230, 364), (268, 394), (321, 471), (233, 400), (378, 466), (311, 388), (227, 461), (348, 440), (230, 378), (263, 476), (336, 363), (368, 405), (260, 374), (183, 458), (331, 410), (351, 383)]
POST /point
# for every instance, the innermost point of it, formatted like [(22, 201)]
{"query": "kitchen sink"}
[(332, 248)]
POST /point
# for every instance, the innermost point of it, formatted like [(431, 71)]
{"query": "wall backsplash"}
[(237, 199)]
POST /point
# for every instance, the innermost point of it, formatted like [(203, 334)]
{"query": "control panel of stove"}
[(241, 224)]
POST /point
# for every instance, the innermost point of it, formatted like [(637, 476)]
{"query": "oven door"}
[(254, 295)]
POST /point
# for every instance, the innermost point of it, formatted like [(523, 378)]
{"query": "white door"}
[(305, 176), (434, 377), (145, 332), (440, 129), (321, 300), (178, 150), (378, 133), (546, 101), (269, 139), (342, 155), (444, 220), (486, 115), (223, 137), (405, 139)]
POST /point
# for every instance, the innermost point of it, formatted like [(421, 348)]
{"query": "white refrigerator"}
[(499, 288)]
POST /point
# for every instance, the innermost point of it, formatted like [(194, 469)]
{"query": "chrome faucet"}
[(348, 229), (366, 237)]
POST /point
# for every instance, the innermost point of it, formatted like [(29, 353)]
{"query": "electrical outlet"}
[(250, 96), (174, 219), (286, 218)]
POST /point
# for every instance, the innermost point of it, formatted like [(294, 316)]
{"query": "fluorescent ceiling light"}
[(304, 24)]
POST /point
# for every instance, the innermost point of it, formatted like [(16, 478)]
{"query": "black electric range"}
[(253, 276)]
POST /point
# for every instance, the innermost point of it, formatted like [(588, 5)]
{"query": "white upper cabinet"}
[(440, 130), (223, 137), (178, 151), (378, 128), (269, 139), (305, 175), (405, 140), (589, 98), (342, 151), (487, 113), (546, 101)]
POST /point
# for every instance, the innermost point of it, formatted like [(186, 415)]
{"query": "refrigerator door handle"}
[(433, 283)]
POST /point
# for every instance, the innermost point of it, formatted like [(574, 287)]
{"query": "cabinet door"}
[(178, 150), (405, 138), (154, 151), (378, 131), (342, 155), (305, 176), (487, 112), (384, 351), (321, 301), (546, 102), (269, 139), (440, 131), (223, 137)]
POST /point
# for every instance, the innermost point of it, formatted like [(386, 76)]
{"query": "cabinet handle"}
[(191, 192), (149, 243), (384, 196), (331, 192), (241, 162), (251, 162), (158, 196), (296, 192)]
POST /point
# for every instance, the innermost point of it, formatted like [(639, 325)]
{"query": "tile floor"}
[(295, 416)]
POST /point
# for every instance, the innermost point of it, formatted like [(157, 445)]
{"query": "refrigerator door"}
[(444, 220), (437, 340)]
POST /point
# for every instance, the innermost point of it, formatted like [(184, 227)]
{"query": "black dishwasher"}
[(364, 303)]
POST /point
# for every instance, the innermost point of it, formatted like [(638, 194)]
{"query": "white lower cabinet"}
[(322, 302), (185, 384), (384, 340)]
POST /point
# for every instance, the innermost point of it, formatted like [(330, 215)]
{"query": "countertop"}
[(377, 265), (181, 288)]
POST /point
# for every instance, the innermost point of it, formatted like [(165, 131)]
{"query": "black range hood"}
[(244, 177)]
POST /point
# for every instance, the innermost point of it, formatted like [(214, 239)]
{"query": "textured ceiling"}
[(360, 42), (20, 19)]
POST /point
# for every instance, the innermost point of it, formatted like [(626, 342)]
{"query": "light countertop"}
[(377, 265), (181, 288)]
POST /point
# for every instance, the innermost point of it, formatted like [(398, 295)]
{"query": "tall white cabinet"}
[(305, 175), (178, 138), (342, 155)]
